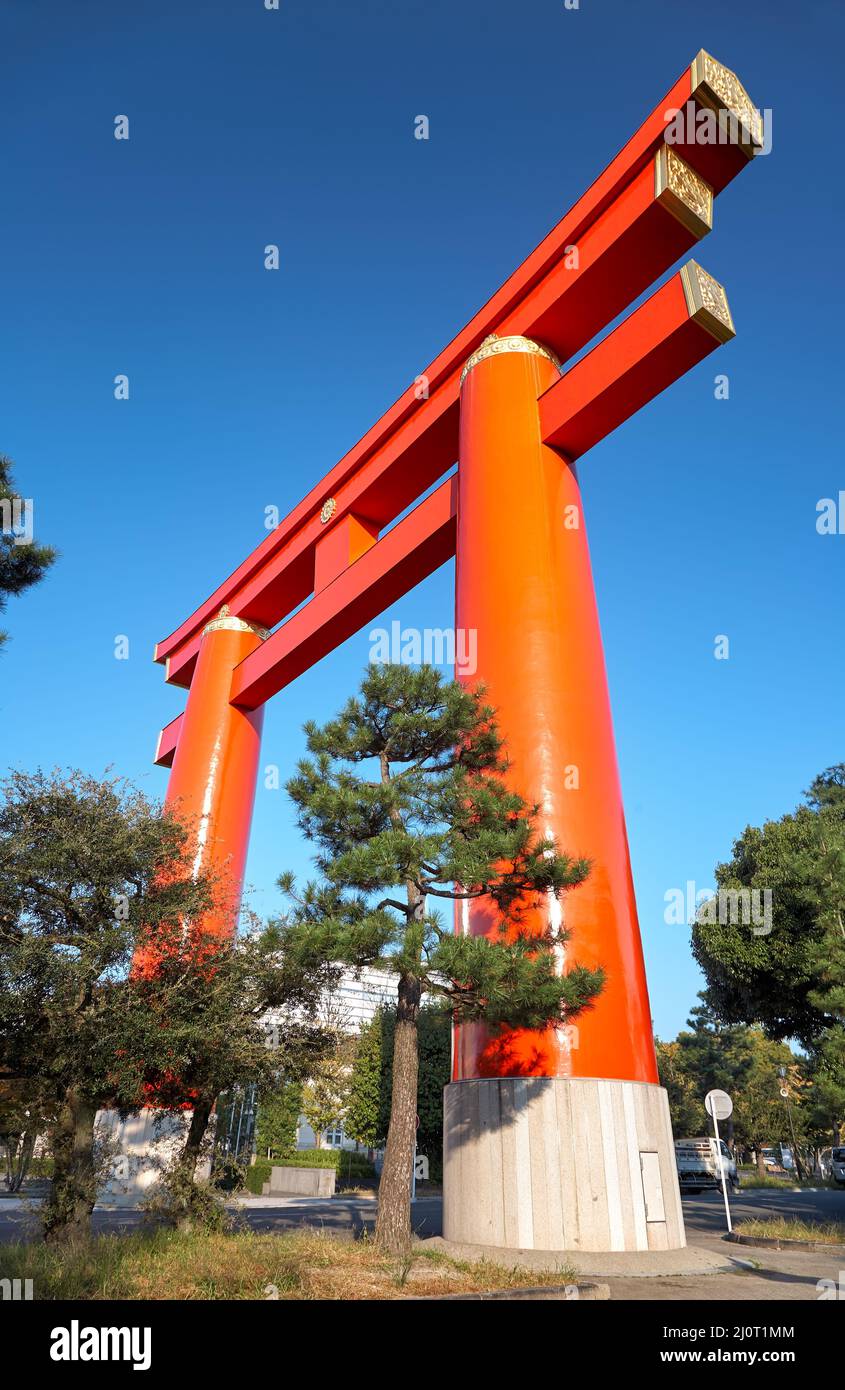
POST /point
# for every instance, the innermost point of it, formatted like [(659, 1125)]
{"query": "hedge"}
[(347, 1165)]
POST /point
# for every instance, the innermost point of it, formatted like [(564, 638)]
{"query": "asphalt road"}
[(755, 1274), (704, 1215)]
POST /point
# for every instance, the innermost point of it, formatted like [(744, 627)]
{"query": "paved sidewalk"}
[(756, 1274), (780, 1278)]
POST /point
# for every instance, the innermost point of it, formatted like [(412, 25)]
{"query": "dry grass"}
[(785, 1228), (301, 1265)]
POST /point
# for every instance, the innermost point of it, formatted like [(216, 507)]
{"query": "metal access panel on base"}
[(560, 1163)]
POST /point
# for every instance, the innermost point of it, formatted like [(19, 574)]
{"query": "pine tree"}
[(22, 562), (404, 794)]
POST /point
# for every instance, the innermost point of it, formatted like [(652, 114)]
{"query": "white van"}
[(698, 1165), (837, 1166)]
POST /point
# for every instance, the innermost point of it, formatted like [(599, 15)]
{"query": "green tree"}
[(83, 866), (368, 1111), (202, 1020), (279, 1109), (363, 1112), (791, 979), (682, 1086), (712, 1055), (89, 872), (22, 562), (404, 793), (325, 1095), (22, 1119), (760, 1115), (706, 1056), (822, 1109)]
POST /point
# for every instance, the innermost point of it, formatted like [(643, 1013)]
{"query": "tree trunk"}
[(74, 1189), (200, 1116), (25, 1157), (18, 1158), (393, 1225), (184, 1215), (761, 1165)]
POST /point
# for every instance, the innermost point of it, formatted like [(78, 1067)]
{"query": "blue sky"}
[(295, 127)]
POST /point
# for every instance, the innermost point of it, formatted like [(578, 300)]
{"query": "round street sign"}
[(718, 1104), (784, 1090)]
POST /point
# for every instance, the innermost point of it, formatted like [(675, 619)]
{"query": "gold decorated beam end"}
[(682, 191), (716, 86), (707, 301)]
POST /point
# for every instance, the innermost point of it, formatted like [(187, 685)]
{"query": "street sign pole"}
[(719, 1104), (722, 1173)]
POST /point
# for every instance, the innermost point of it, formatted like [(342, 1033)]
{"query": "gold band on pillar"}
[(225, 622), (493, 345)]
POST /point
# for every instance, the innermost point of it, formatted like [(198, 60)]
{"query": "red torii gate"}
[(494, 401)]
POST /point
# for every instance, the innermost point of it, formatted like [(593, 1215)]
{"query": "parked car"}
[(697, 1161), (837, 1166)]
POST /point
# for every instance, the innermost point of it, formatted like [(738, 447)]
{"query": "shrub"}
[(179, 1201), (256, 1176), (228, 1176)]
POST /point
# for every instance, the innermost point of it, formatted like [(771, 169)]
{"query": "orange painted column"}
[(215, 767), (524, 583)]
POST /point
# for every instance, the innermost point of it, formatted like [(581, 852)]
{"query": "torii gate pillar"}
[(558, 1139), (215, 768), (212, 788)]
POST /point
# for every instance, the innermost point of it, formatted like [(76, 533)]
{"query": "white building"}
[(144, 1143), (353, 1002)]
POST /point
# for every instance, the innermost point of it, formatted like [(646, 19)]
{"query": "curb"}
[(560, 1293), (779, 1243), (782, 1187), (690, 1260)]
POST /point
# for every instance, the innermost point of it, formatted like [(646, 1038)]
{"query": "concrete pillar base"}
[(547, 1163)]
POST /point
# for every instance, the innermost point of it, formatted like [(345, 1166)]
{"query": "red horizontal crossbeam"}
[(626, 233), (656, 345), (167, 740), (415, 547), (651, 348)]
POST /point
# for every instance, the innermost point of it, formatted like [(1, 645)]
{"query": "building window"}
[(333, 1138)]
